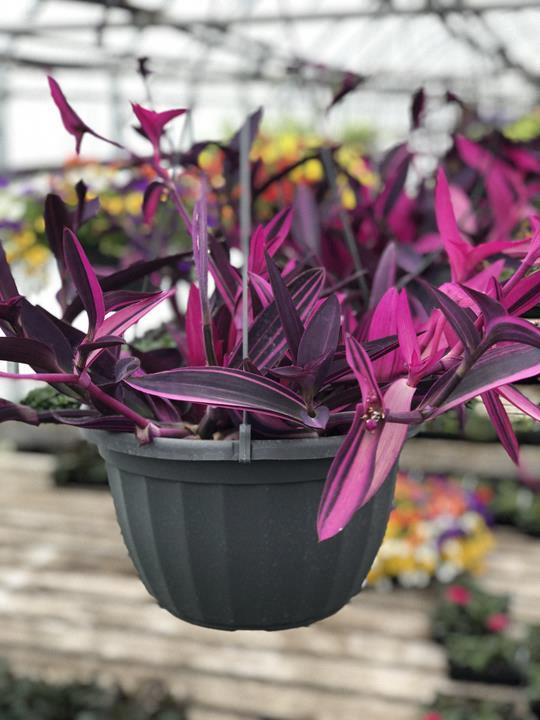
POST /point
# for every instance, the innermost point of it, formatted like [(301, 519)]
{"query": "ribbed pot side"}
[(234, 546)]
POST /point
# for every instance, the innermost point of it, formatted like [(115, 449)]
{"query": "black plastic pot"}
[(234, 546)]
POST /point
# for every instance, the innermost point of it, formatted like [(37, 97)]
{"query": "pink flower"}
[(433, 716), (458, 595), (497, 622)]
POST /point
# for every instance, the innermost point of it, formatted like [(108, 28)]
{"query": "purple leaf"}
[(21, 413), (116, 299), (227, 387), (128, 275), (29, 352), (121, 320), (512, 329), (39, 325), (252, 123), (200, 252), (349, 82), (226, 277), (499, 366), (490, 308), (349, 477), (267, 341), (8, 288), (385, 275), (502, 424), (111, 423), (151, 200), (524, 296), (106, 341), (288, 313), (321, 336), (85, 281)]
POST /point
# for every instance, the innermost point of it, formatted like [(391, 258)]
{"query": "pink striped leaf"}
[(85, 281), (230, 388), (349, 478), (501, 423)]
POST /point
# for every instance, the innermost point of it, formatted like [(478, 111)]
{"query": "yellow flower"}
[(113, 204), (36, 256), (133, 203), (313, 170), (348, 198)]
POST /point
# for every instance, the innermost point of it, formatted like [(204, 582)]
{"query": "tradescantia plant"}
[(322, 359)]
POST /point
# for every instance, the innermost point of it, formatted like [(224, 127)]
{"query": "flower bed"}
[(437, 530)]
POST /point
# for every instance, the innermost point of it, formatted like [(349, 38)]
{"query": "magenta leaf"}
[(398, 399), (458, 319), (349, 477), (408, 341), (227, 387), (194, 329), (519, 400), (153, 123), (85, 281), (71, 121), (385, 275), (456, 248), (361, 365)]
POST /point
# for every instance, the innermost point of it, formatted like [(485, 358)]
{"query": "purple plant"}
[(321, 360)]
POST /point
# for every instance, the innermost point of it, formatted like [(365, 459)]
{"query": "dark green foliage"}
[(451, 708), (490, 659), (47, 398), (514, 504), (156, 339), (80, 465), (26, 699)]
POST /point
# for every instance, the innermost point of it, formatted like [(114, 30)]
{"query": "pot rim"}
[(216, 450)]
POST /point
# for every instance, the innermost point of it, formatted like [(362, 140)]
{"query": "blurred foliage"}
[(452, 708), (466, 609), (29, 699), (47, 398)]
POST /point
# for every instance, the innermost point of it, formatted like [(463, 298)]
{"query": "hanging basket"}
[(233, 545)]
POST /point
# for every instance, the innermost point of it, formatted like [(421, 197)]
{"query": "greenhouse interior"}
[(270, 360)]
